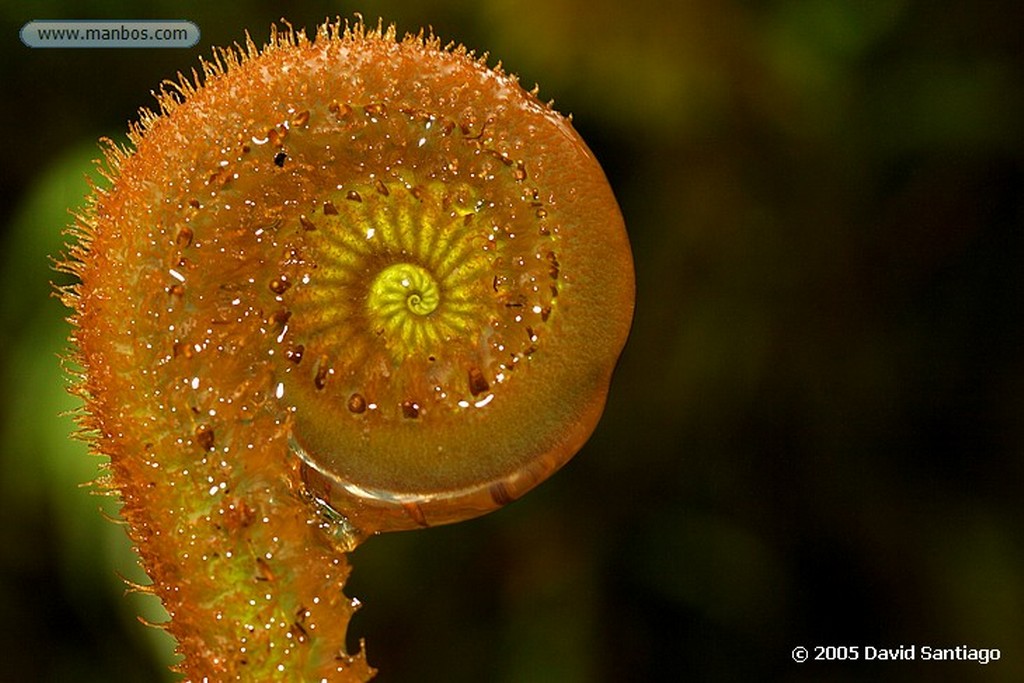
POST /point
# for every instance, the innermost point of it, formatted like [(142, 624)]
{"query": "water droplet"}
[(204, 437), (280, 284), (320, 379), (477, 382), (295, 354), (279, 159), (353, 196), (220, 177), (306, 223), (356, 403), (381, 187), (340, 111), (276, 136), (182, 349), (410, 409), (553, 270), (184, 238), (330, 209), (519, 173)]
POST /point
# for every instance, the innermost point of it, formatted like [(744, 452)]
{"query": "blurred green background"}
[(814, 435)]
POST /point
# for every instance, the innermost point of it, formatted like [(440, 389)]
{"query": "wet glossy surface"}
[(346, 286)]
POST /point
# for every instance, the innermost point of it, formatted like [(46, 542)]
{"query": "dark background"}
[(815, 433)]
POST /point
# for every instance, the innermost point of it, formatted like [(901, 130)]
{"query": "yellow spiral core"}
[(400, 288), (402, 303)]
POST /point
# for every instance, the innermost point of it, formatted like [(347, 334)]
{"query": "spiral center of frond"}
[(401, 289)]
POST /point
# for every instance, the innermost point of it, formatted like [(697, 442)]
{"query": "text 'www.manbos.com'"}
[(116, 33)]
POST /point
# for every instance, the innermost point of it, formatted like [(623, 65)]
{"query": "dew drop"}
[(353, 196), (204, 437), (276, 136), (477, 382), (330, 209), (341, 111), (281, 317), (306, 223), (553, 260), (410, 409), (356, 403), (381, 187), (320, 380), (279, 159), (280, 284), (295, 354), (185, 234)]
